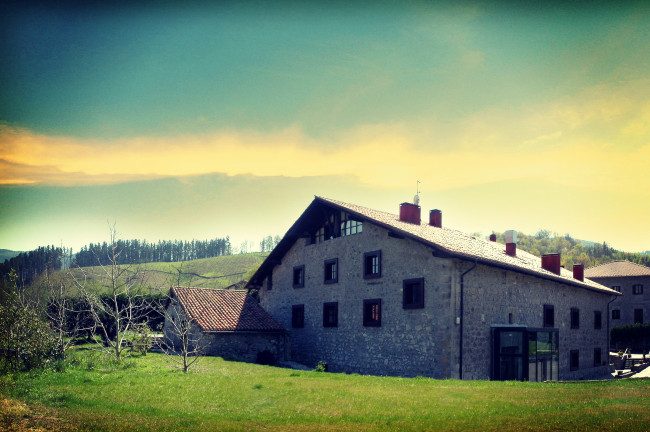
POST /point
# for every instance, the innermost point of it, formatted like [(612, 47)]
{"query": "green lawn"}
[(147, 394)]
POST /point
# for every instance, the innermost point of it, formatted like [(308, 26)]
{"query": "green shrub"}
[(321, 367)]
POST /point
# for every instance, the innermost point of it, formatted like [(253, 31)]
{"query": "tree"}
[(26, 341), (183, 341), (115, 313)]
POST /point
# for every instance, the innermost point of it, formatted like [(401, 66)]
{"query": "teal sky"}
[(220, 119)]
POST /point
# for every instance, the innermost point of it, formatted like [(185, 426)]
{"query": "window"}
[(372, 313), (575, 318), (638, 316), (616, 314), (637, 289), (269, 282), (598, 320), (331, 314), (617, 288), (299, 276), (336, 224), (549, 316), (413, 293), (350, 226), (574, 359), (298, 316), (597, 357), (372, 265), (332, 271)]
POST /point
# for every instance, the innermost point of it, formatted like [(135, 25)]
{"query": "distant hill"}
[(6, 254), (217, 272)]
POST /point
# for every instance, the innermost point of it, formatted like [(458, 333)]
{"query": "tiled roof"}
[(462, 245), (224, 310), (617, 269)]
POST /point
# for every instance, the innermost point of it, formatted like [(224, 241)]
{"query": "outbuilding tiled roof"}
[(444, 241), (224, 310), (617, 269)]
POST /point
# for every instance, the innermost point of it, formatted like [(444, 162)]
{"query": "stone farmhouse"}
[(376, 293), (632, 281), (227, 323)]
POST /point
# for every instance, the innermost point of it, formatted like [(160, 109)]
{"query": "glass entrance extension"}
[(525, 354)]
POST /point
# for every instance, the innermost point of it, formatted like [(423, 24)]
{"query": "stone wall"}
[(234, 345), (492, 294), (412, 342), (628, 301)]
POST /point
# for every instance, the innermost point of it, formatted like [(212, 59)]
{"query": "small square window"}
[(413, 293), (597, 357), (372, 265), (330, 314), (298, 316), (574, 359), (549, 316), (299, 276), (575, 318), (616, 314), (617, 288), (269, 282), (637, 289), (332, 271), (372, 313), (598, 320)]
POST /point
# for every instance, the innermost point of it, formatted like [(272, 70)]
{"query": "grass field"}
[(217, 272), (147, 394)]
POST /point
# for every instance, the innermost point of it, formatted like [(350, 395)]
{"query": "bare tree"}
[(123, 304), (183, 340), (183, 343)]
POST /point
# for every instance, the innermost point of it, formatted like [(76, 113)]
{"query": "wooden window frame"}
[(575, 318), (598, 320), (298, 316), (598, 357), (574, 360), (407, 302), (371, 274), (369, 320), (327, 307), (548, 312), (616, 314), (301, 271), (331, 262), (637, 289)]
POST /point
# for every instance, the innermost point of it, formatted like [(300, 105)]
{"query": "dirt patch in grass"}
[(16, 416)]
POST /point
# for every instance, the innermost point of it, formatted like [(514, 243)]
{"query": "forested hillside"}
[(573, 251)]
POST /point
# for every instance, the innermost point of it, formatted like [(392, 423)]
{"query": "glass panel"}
[(544, 343), (555, 367), (511, 368), (532, 369), (511, 343)]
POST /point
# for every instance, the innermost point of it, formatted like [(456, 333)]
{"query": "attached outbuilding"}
[(225, 323)]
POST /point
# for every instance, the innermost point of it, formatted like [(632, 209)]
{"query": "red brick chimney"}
[(435, 218), (493, 237), (409, 213), (511, 242), (579, 272), (551, 262)]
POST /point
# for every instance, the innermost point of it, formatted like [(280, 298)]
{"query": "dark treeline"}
[(28, 265), (137, 252)]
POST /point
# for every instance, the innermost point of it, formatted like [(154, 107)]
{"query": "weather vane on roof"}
[(416, 198)]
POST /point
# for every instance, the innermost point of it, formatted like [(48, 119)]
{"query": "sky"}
[(226, 119)]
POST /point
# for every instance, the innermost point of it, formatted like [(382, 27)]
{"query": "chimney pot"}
[(551, 262), (493, 237), (409, 213), (435, 218), (579, 272), (511, 242)]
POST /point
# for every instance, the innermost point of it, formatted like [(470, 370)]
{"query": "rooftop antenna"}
[(416, 198)]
